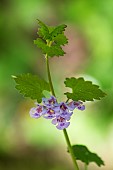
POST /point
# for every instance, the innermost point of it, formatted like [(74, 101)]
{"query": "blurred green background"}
[(26, 143)]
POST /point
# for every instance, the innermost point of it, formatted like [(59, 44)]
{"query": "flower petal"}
[(62, 125), (54, 121), (81, 107)]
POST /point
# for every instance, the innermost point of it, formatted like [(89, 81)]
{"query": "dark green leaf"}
[(41, 44), (47, 32), (43, 31), (55, 51), (60, 39), (58, 30), (82, 153), (51, 39), (51, 28), (50, 51), (83, 90), (31, 86)]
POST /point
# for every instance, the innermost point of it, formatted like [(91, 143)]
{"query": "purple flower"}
[(63, 107), (50, 113), (81, 107), (60, 122), (73, 104), (38, 111), (64, 111), (60, 113), (66, 115), (50, 102)]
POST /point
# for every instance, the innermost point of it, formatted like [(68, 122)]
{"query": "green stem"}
[(86, 167), (53, 93), (49, 76), (67, 100), (70, 149), (48, 70)]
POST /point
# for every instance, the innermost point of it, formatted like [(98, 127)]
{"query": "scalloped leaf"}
[(83, 90), (43, 31), (60, 39), (58, 30), (51, 35), (31, 86), (51, 51), (82, 153)]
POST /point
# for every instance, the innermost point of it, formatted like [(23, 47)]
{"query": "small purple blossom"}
[(63, 107), (60, 113), (73, 104), (37, 112), (50, 102), (50, 113), (67, 115), (60, 122)]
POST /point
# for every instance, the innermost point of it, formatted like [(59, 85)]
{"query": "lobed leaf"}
[(47, 32), (82, 153), (41, 44), (55, 51), (51, 35), (31, 86), (43, 31), (60, 39), (51, 51), (58, 30), (83, 90)]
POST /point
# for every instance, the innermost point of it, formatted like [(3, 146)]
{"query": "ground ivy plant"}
[(50, 40)]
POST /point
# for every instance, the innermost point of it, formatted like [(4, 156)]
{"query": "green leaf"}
[(31, 86), (41, 44), (82, 153), (55, 51), (51, 39), (43, 31), (51, 51), (58, 30), (83, 90), (47, 32), (60, 39)]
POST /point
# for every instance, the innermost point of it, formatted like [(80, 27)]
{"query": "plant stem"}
[(70, 149), (49, 76), (67, 100), (86, 167), (53, 93), (48, 70)]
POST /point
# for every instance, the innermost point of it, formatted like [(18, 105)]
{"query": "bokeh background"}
[(26, 143)]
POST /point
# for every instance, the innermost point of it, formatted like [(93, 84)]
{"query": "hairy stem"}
[(53, 93)]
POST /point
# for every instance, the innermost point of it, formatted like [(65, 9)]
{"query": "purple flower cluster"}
[(60, 113)]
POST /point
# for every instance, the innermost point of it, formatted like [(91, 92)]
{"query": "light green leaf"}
[(31, 86), (83, 90), (82, 153)]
